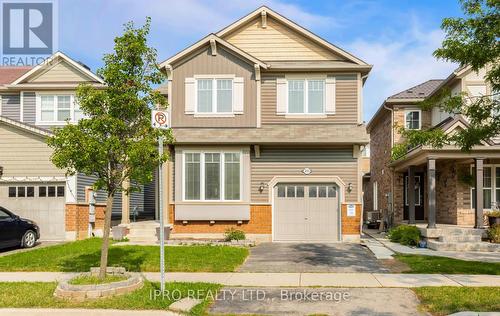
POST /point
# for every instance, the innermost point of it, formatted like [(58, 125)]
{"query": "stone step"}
[(463, 246), (460, 238), (450, 231)]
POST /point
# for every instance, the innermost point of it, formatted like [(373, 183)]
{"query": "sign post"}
[(159, 119)]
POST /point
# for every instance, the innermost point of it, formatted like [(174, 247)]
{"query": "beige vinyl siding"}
[(23, 154), (263, 172), (203, 63), (277, 42), (60, 72), (346, 102)]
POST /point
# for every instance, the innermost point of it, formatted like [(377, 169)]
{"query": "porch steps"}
[(453, 238), (143, 232), (463, 246)]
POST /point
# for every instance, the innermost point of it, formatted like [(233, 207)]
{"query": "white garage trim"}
[(307, 179), (32, 179)]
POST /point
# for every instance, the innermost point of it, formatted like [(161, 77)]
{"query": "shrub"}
[(405, 235), (493, 214), (234, 234), (494, 233)]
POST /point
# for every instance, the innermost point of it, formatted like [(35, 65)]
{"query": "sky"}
[(397, 37)]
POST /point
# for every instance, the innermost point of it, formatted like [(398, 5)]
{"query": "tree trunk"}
[(105, 237)]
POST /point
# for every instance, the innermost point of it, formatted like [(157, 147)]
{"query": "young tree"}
[(472, 40), (115, 141)]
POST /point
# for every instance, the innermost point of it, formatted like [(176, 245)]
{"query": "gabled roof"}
[(308, 34), (9, 74), (26, 127), (206, 40), (53, 58), (420, 91)]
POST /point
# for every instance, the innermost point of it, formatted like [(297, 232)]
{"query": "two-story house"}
[(267, 119), (447, 182), (33, 101)]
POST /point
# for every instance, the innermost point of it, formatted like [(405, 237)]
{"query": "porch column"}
[(431, 188), (479, 192), (411, 194)]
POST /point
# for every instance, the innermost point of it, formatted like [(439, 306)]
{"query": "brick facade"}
[(260, 223), (77, 219)]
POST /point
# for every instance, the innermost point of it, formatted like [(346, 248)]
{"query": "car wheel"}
[(29, 239)]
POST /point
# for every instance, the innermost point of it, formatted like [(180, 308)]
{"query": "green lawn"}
[(35, 294), (448, 299), (432, 264), (79, 256)]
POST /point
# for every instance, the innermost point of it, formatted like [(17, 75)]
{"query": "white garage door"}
[(42, 203), (306, 212)]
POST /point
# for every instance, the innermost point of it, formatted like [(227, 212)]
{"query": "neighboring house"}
[(32, 102), (443, 179), (267, 119)]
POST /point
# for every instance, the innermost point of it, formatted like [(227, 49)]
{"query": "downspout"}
[(391, 170)]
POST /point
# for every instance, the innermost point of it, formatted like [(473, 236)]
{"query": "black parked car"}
[(16, 231)]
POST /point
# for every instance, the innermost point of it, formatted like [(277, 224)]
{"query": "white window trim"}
[(214, 112), (419, 117), (493, 187), (202, 174), (38, 105), (306, 98), (375, 196)]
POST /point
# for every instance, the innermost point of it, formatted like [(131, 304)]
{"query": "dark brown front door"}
[(419, 196)]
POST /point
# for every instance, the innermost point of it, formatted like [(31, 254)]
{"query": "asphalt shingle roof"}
[(10, 74), (422, 90)]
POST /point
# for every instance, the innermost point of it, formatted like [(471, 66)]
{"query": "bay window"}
[(214, 95), (57, 109), (212, 176), (306, 96)]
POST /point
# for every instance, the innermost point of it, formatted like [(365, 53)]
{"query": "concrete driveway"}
[(311, 257)]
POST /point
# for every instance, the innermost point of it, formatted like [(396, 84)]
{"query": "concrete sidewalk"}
[(373, 280), (81, 312)]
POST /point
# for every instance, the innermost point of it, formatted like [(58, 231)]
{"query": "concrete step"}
[(463, 246), (460, 238)]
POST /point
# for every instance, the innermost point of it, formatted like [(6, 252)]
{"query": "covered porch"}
[(451, 187)]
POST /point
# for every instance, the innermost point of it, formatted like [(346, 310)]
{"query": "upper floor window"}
[(413, 119), (214, 95), (306, 96), (57, 109)]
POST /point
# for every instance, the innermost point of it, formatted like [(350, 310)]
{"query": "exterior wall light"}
[(349, 187), (262, 186)]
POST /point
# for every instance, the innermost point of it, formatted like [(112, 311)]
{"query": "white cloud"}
[(399, 63)]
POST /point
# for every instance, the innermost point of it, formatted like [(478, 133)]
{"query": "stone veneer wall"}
[(77, 219)]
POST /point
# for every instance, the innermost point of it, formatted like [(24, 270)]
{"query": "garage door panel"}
[(47, 212), (305, 212)]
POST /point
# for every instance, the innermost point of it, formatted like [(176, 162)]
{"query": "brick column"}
[(479, 192), (411, 194), (431, 189)]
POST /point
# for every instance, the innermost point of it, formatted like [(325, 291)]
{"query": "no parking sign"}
[(159, 119)]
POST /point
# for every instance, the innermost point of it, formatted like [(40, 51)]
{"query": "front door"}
[(419, 197), (305, 212)]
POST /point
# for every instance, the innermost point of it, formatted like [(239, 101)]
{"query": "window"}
[(412, 119), (30, 191), (214, 95), (57, 109), (42, 191), (12, 191), (212, 176), (306, 96), (60, 191), (51, 191), (491, 187), (4, 215), (21, 191), (375, 196)]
